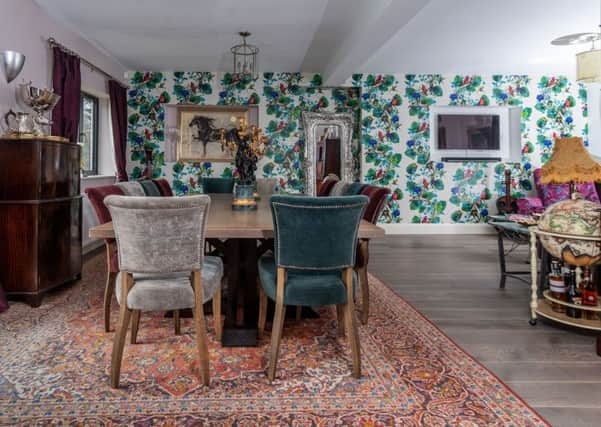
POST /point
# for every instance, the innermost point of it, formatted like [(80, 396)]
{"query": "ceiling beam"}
[(369, 26)]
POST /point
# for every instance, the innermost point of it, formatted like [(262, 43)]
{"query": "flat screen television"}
[(475, 133)]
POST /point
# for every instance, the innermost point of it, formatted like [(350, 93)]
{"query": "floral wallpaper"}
[(391, 135)]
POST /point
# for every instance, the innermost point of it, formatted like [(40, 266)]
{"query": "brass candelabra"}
[(249, 145), (249, 138)]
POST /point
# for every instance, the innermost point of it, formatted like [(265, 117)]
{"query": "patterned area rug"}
[(55, 370)]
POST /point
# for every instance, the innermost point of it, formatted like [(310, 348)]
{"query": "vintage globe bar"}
[(571, 229)]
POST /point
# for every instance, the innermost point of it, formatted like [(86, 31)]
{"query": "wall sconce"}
[(12, 64)]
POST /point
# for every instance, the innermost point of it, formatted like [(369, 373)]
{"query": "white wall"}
[(594, 118), (25, 27)]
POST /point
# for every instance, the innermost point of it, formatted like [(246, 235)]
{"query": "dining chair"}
[(312, 263), (217, 185), (377, 200), (162, 266), (96, 196)]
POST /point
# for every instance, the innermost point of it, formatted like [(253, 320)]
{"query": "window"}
[(88, 133)]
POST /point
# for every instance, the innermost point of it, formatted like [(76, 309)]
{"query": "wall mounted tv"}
[(475, 133)]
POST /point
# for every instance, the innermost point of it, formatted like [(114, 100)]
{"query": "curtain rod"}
[(53, 43)]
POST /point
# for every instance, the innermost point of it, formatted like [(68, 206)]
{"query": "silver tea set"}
[(40, 101)]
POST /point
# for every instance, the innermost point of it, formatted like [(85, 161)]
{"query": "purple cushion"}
[(552, 193), (530, 205)]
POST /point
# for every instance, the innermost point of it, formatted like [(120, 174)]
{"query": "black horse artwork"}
[(206, 131)]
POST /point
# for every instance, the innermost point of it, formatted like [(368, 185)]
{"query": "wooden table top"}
[(224, 223)]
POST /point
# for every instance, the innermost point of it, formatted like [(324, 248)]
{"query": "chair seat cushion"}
[(172, 291), (312, 288)]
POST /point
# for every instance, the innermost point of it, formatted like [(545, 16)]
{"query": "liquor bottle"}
[(589, 293), (557, 286), (574, 296)]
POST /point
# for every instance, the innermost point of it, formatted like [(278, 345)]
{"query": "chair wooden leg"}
[(201, 329), (135, 323), (262, 312), (351, 326), (119, 340), (276, 336), (340, 319), (363, 248), (299, 312), (278, 324), (217, 320), (363, 283), (177, 324), (109, 290)]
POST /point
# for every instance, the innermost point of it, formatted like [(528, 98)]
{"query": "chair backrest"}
[(159, 234), (150, 188), (377, 200), (164, 187), (266, 186), (316, 233), (217, 185), (326, 185), (96, 197)]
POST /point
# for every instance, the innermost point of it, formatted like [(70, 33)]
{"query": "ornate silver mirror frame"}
[(311, 121)]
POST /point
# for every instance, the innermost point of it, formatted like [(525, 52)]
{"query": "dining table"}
[(241, 237)]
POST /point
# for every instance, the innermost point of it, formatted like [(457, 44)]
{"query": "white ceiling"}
[(336, 37)]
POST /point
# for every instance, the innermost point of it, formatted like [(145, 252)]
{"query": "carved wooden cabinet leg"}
[(534, 281), (34, 300)]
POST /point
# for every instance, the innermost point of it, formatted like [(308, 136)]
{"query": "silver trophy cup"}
[(40, 101)]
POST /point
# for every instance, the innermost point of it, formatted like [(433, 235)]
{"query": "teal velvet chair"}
[(315, 240), (217, 185)]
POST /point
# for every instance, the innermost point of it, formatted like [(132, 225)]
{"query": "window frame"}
[(95, 132)]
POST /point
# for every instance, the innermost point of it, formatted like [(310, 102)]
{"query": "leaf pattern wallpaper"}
[(391, 136)]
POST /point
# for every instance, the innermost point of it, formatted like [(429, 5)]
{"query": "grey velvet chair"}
[(162, 266), (315, 239)]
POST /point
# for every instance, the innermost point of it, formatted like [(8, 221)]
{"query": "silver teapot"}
[(17, 123)]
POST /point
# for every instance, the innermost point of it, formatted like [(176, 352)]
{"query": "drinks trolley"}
[(542, 307)]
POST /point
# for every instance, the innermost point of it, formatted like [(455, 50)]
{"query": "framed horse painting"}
[(199, 129)]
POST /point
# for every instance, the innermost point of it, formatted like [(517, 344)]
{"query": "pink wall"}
[(24, 27)]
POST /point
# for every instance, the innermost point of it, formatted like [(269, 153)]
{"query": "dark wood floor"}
[(453, 280)]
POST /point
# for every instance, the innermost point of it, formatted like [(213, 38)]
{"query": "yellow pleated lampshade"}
[(570, 162)]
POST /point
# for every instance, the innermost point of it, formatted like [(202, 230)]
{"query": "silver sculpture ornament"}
[(12, 63)]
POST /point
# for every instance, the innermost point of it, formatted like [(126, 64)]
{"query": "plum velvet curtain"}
[(118, 95), (66, 82)]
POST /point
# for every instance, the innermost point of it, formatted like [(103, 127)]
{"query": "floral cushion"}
[(552, 193), (530, 205)]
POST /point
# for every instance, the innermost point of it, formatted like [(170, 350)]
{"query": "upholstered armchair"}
[(162, 266), (96, 196), (547, 194), (312, 263)]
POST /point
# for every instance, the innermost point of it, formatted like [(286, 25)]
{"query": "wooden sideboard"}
[(40, 216)]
